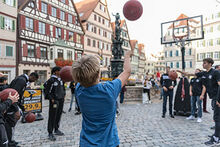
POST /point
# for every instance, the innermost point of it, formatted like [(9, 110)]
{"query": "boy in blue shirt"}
[(97, 101)]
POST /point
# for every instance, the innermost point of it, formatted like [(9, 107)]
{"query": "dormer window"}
[(63, 1)]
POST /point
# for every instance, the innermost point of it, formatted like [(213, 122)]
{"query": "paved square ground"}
[(138, 126)]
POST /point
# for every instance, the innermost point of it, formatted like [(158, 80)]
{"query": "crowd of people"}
[(97, 102)]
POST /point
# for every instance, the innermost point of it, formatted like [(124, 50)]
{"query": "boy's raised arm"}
[(127, 69)]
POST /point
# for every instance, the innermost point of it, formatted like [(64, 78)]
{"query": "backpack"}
[(46, 90)]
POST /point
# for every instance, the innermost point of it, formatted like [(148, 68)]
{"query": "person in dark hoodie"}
[(55, 92), (3, 108), (3, 83), (168, 86), (13, 113)]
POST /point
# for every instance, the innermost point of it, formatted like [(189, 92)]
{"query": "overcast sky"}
[(147, 28)]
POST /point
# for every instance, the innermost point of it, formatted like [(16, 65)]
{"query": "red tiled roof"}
[(133, 43), (183, 22), (140, 47), (85, 8)]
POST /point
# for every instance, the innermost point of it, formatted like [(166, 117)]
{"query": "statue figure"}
[(117, 18), (117, 51)]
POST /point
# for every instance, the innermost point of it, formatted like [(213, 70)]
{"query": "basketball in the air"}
[(65, 74), (30, 117), (5, 93), (132, 10), (173, 75)]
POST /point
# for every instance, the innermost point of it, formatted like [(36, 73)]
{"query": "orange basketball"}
[(132, 10), (173, 75), (5, 93), (65, 74), (30, 117)]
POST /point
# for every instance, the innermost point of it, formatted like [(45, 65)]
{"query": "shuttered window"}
[(9, 51), (31, 51), (29, 23)]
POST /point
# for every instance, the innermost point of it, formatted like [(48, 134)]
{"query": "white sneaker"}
[(149, 102), (199, 120), (190, 117)]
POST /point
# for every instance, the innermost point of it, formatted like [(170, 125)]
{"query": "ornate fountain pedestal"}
[(133, 94)]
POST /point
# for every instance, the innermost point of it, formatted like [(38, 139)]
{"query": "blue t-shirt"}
[(98, 106)]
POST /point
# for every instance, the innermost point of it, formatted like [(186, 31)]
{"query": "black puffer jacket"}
[(55, 88), (3, 108)]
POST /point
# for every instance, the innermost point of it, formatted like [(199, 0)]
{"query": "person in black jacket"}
[(13, 113), (72, 87), (168, 86), (3, 108), (211, 79), (3, 83), (55, 92)]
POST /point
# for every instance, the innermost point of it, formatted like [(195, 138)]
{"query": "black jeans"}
[(166, 94), (55, 113), (3, 136), (217, 120)]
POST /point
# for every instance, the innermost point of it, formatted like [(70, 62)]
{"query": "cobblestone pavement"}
[(138, 126)]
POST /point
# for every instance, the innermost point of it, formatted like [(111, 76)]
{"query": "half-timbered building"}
[(96, 21), (47, 30)]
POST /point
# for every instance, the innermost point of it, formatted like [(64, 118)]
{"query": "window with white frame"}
[(60, 53), (51, 54), (10, 2), (78, 38), (62, 15), (54, 12), (9, 51), (29, 24), (102, 7), (201, 56), (71, 36), (88, 42), (101, 31), (69, 55), (208, 55), (104, 46), (177, 65), (58, 32), (190, 64), (8, 23), (171, 64), (100, 45), (94, 43), (70, 18), (190, 52), (43, 7), (216, 55), (42, 27), (31, 51), (63, 1), (43, 51), (218, 41)]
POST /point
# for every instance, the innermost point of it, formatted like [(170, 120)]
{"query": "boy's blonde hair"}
[(86, 70)]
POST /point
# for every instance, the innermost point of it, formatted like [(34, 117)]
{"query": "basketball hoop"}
[(179, 38)]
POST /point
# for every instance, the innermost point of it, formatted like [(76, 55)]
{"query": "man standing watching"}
[(55, 92), (168, 86), (197, 92), (212, 82)]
